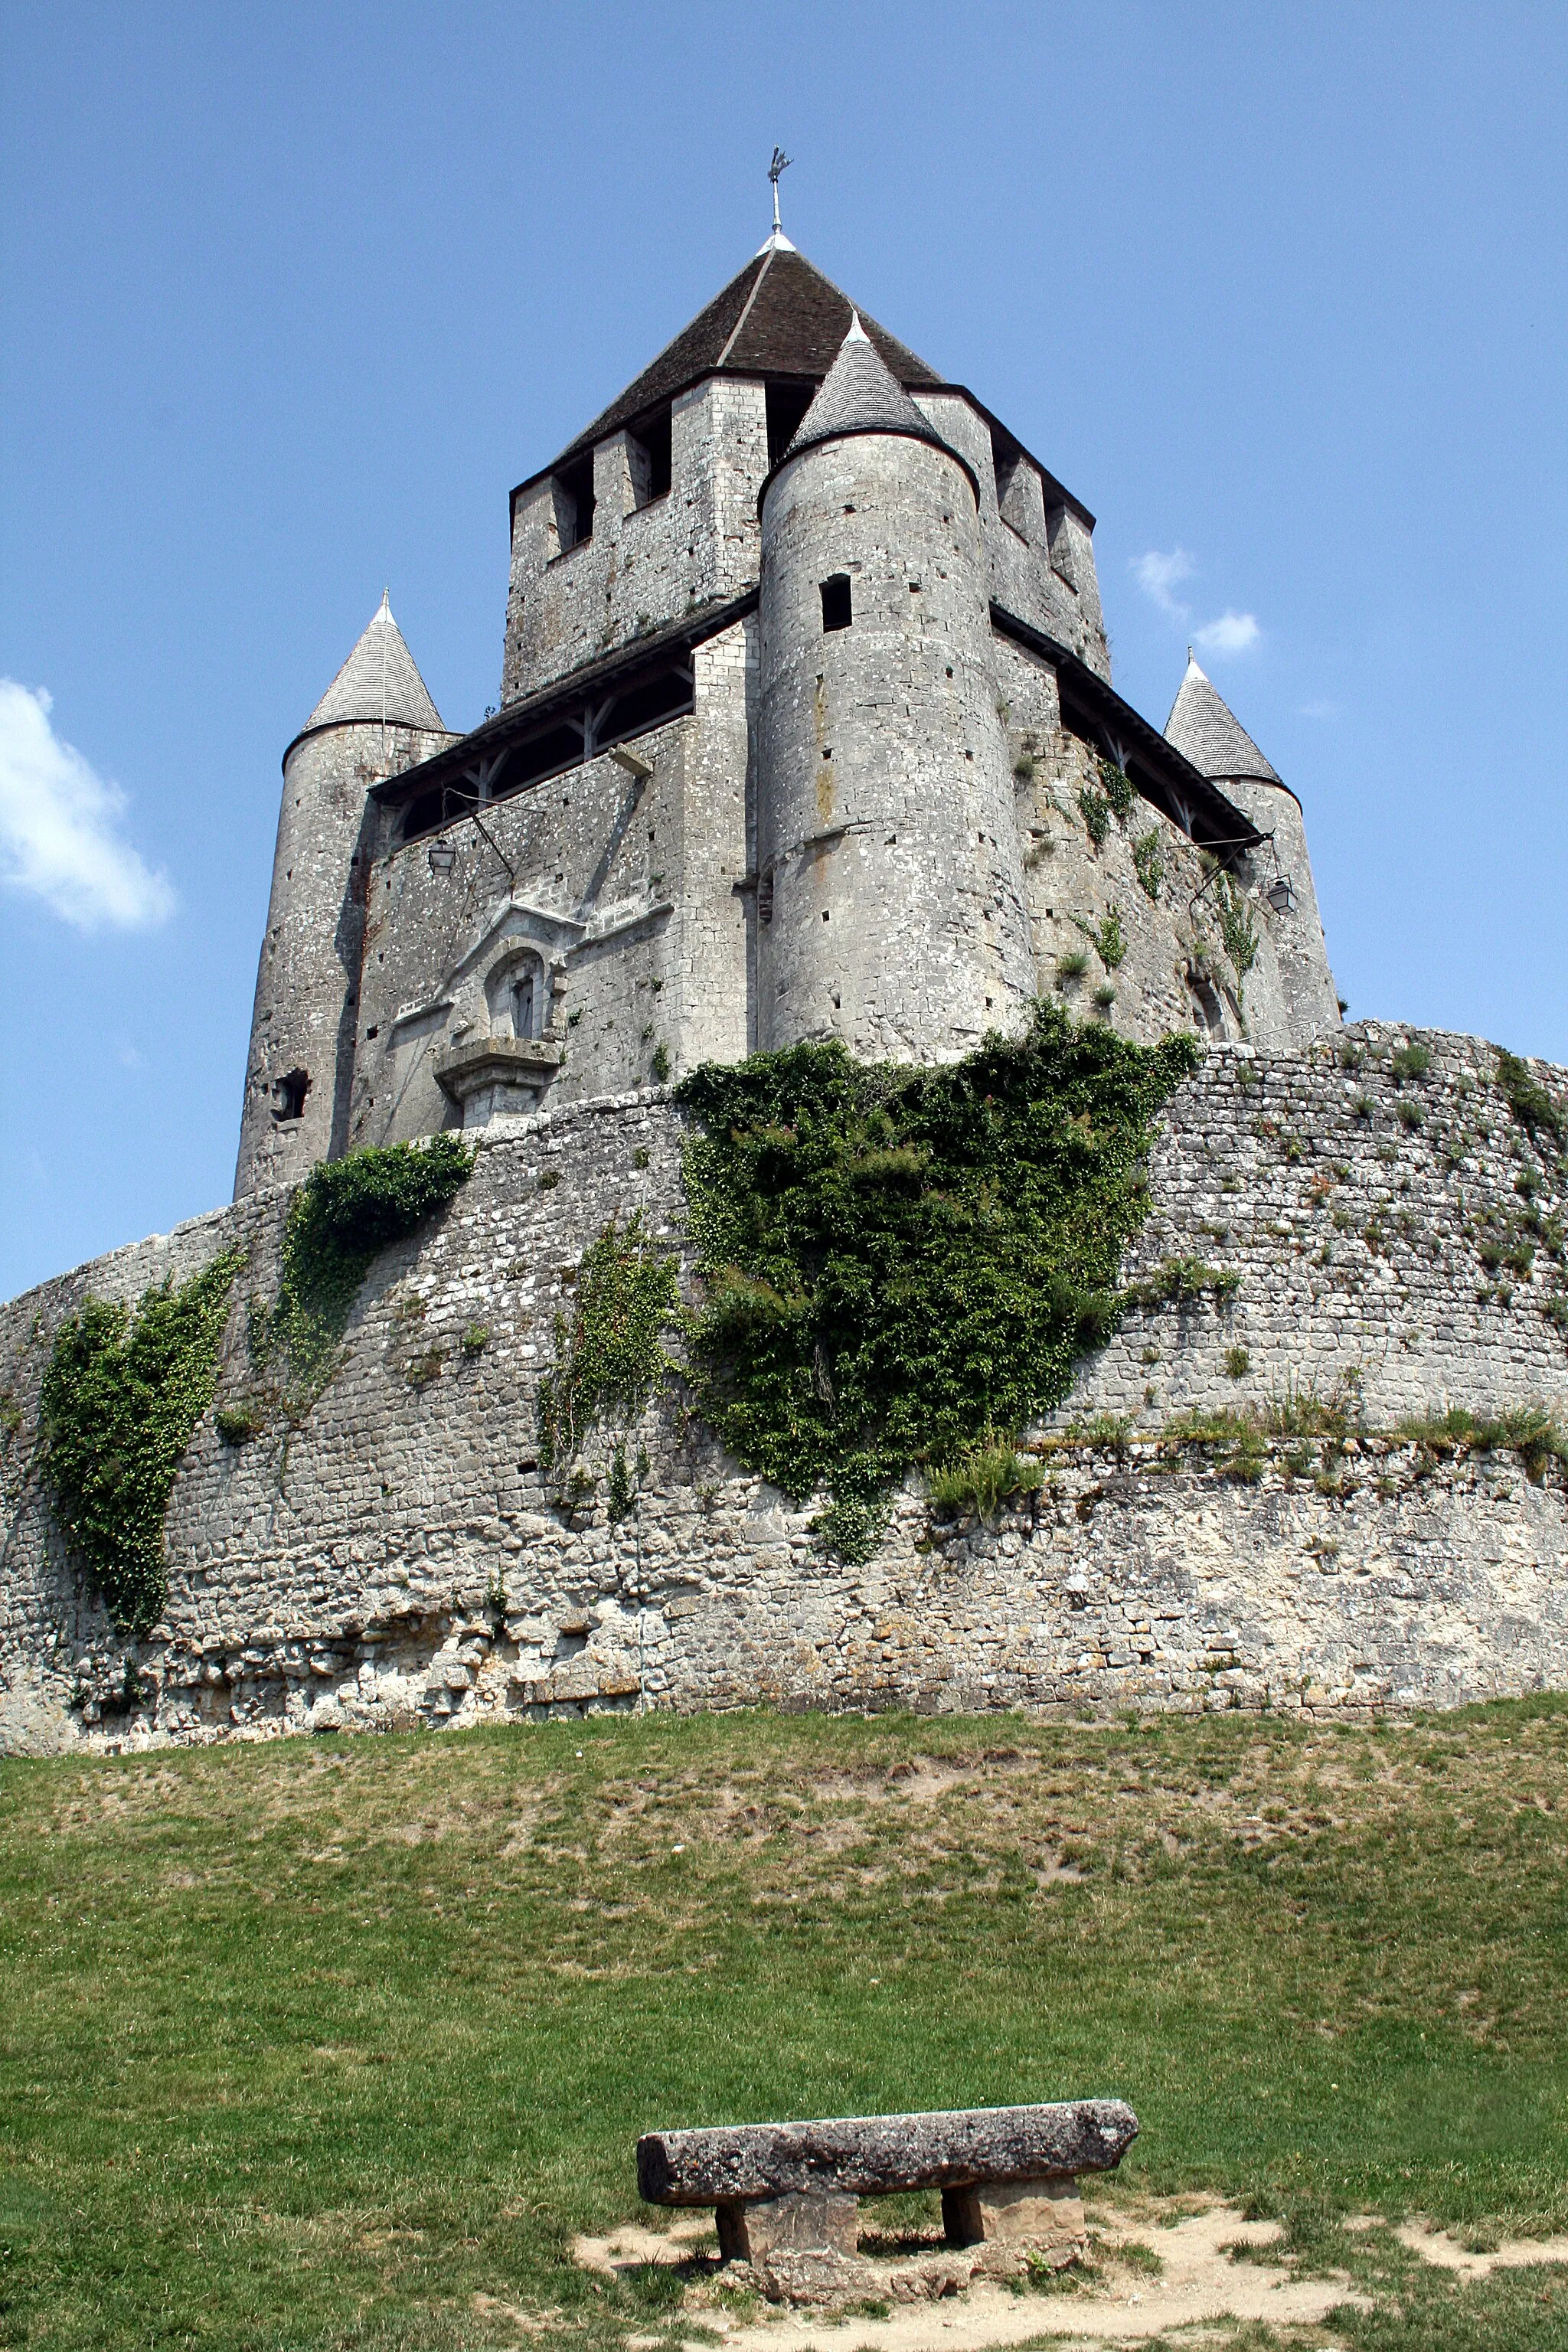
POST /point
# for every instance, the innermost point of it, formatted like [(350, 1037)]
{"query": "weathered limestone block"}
[(750, 2232), (1042, 2216), (815, 2274), (872, 2156)]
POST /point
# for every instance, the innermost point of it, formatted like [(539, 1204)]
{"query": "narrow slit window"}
[(837, 610), (524, 1004)]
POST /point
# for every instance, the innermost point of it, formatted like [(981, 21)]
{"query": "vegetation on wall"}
[(121, 1397), (1106, 938), (1117, 785), (609, 1354), (344, 1215), (902, 1267), (1149, 864), (1237, 929), (1096, 811), (1529, 1101)]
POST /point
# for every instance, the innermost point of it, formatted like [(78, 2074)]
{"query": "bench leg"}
[(749, 2233), (1045, 2216)]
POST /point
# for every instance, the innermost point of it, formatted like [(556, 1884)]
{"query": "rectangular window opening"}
[(838, 612), (574, 488), (650, 450), (786, 404), (1060, 543), (1011, 468), (288, 1096)]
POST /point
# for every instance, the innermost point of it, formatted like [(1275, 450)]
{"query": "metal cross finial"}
[(780, 162)]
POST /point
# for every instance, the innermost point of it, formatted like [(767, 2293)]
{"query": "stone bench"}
[(1005, 2173)]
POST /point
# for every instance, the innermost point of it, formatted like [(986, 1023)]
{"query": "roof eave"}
[(692, 630), (1229, 828)]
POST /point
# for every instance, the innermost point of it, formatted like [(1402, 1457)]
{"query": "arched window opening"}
[(524, 1003), (837, 610), (515, 993)]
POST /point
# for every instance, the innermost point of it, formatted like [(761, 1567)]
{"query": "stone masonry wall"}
[(1175, 973), (399, 1561), (629, 890), (647, 565)]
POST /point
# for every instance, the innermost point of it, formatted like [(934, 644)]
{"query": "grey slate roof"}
[(859, 394), (379, 680), (779, 316), (1206, 731)]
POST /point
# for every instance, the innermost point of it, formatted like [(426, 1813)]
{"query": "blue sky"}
[(292, 296)]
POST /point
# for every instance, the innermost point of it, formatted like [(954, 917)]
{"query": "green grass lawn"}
[(313, 2044)]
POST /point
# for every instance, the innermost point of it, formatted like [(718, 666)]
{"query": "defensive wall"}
[(1396, 1242)]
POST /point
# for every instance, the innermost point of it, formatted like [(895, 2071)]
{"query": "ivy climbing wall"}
[(1250, 1496)]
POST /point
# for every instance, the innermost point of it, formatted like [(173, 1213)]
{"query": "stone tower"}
[(374, 720), (1206, 731), (890, 894)]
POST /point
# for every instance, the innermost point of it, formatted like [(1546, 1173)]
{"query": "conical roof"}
[(1206, 731), (378, 681), (859, 394), (778, 316)]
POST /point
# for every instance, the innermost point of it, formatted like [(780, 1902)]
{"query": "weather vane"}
[(780, 162)]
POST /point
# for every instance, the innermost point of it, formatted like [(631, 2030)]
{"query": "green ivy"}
[(1108, 944), (1149, 862), (344, 1215), (1118, 788), (121, 1397), (1096, 811), (900, 1264), (1237, 928), (609, 1356)]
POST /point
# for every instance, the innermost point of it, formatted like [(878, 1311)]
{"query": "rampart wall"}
[(397, 1558)]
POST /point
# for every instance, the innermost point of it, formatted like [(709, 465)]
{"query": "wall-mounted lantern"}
[(1281, 896), (443, 856)]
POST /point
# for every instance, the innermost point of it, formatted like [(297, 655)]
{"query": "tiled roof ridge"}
[(779, 315)]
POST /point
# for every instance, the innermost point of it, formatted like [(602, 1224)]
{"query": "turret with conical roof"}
[(375, 719), (891, 907), (1206, 730)]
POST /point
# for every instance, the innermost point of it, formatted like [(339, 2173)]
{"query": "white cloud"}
[(1233, 633), (1320, 710), (1158, 575), (60, 826)]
